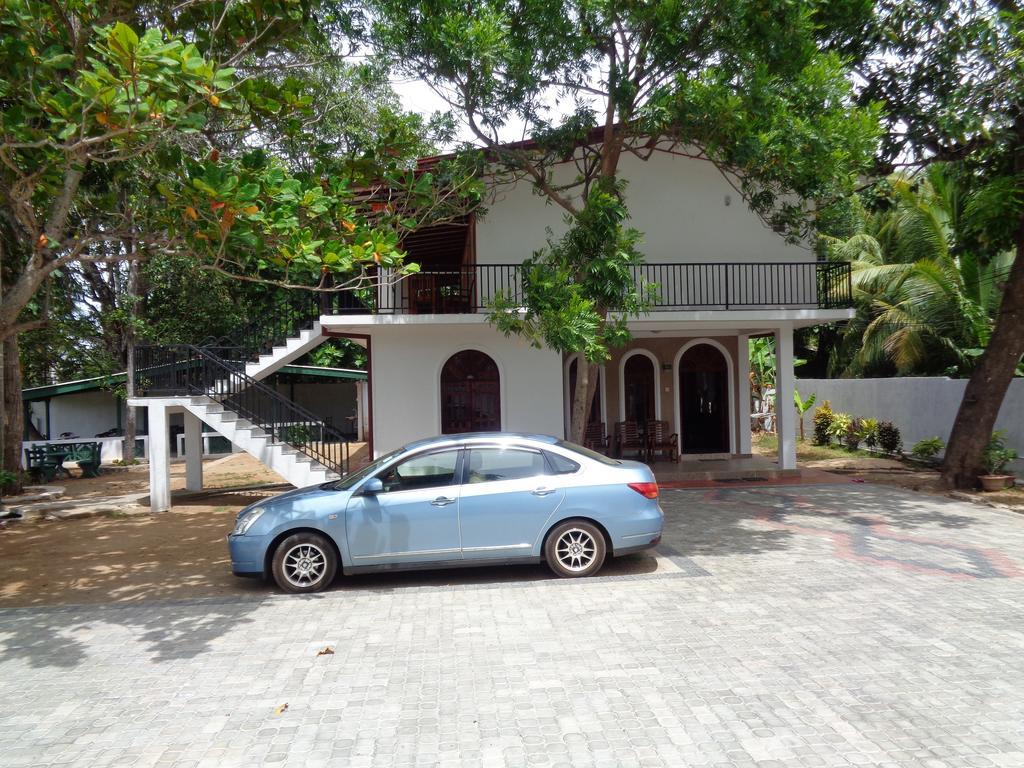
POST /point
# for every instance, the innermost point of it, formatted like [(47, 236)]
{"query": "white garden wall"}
[(921, 407)]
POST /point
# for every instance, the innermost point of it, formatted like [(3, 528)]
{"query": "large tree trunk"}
[(988, 384), (13, 413), (581, 403)]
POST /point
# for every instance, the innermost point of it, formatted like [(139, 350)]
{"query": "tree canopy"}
[(950, 77), (926, 297)]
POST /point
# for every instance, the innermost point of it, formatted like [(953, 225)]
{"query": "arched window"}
[(639, 378), (470, 393)]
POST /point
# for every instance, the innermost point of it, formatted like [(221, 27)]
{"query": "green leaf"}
[(123, 38)]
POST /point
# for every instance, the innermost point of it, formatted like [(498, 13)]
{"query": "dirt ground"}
[(172, 555), (133, 555)]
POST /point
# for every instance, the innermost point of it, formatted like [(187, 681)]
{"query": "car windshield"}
[(350, 481), (587, 452)]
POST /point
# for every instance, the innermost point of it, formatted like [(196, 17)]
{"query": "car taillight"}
[(647, 490)]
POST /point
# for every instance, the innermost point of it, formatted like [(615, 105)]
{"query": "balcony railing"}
[(682, 286)]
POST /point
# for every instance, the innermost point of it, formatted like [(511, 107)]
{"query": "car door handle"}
[(442, 501), (542, 491)]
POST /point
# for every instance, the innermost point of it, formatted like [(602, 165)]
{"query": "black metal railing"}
[(748, 285), (677, 286), (282, 318), (187, 370)]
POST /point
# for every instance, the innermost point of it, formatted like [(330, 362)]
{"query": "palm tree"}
[(925, 300)]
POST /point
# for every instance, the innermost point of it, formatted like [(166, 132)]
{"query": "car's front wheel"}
[(304, 562), (575, 548)]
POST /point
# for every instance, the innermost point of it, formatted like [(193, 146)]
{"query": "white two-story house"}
[(436, 365)]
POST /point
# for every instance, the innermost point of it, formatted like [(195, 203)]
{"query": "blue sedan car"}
[(471, 499)]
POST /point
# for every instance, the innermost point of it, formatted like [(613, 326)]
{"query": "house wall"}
[(406, 380), (678, 203), (921, 407), (82, 413), (666, 350)]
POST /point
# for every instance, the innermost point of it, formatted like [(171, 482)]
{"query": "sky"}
[(419, 97)]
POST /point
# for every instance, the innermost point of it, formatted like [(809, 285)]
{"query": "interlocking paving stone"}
[(796, 626)]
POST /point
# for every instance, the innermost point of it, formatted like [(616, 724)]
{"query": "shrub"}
[(997, 454), (7, 479), (822, 424), (928, 448), (844, 428), (869, 432), (889, 439), (840, 422), (853, 434)]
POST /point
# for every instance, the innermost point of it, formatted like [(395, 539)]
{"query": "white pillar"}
[(360, 399), (743, 389), (159, 459), (193, 452), (785, 384), (386, 290)]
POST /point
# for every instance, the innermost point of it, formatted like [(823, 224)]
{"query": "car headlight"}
[(245, 520)]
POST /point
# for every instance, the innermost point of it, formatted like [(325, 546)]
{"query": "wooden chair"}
[(595, 438), (423, 295), (458, 297), (628, 438), (660, 441)]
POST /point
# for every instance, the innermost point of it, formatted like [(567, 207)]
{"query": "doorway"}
[(704, 400)]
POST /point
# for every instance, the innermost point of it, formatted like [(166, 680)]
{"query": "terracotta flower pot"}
[(995, 482)]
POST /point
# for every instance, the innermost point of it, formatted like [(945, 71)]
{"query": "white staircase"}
[(283, 354), (295, 467)]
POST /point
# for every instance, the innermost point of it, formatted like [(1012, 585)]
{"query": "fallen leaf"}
[(281, 709), (325, 651)]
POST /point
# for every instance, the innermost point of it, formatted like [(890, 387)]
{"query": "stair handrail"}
[(284, 318), (188, 370)]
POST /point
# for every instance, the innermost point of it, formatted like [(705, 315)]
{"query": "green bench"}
[(44, 462)]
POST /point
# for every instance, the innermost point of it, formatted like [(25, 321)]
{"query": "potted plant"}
[(995, 458)]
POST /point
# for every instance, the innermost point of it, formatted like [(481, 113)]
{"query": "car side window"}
[(561, 465), (487, 465), (431, 470)]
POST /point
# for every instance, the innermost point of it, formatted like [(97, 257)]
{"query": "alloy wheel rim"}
[(576, 550), (304, 565)]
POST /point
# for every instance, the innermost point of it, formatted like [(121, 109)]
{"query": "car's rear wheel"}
[(575, 548), (304, 562)]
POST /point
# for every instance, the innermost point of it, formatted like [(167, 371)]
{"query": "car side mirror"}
[(372, 487)]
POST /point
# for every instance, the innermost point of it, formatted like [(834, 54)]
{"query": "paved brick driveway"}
[(793, 626)]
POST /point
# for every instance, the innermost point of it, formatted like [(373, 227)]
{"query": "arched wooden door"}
[(470, 393), (704, 400), (639, 389)]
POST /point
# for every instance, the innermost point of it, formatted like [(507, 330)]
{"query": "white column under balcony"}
[(743, 393), (193, 452), (785, 384), (159, 459), (386, 291)]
